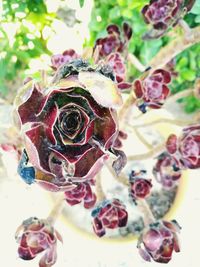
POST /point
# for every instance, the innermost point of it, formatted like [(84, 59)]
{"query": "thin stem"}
[(124, 113), (146, 211), (43, 74), (155, 151), (99, 189), (186, 28), (57, 209), (164, 120), (135, 62), (174, 48), (179, 95), (142, 139)]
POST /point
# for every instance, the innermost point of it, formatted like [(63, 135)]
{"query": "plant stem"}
[(165, 54), (164, 120), (155, 150), (135, 62), (57, 210), (179, 95), (146, 211), (186, 28), (174, 48), (141, 138), (99, 189), (124, 113)]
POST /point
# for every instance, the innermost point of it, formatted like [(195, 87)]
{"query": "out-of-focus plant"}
[(22, 35), (118, 11)]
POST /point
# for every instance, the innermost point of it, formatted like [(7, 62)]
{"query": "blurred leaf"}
[(81, 2), (196, 8), (188, 75)]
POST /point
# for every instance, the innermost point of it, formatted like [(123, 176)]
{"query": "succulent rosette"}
[(115, 41), (38, 237), (159, 240), (82, 193), (109, 214), (112, 49), (140, 187), (151, 90), (60, 59), (166, 171), (185, 149), (162, 14), (116, 62), (70, 126)]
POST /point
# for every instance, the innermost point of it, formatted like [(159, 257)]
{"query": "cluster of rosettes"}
[(159, 240), (162, 14), (112, 50), (35, 237), (181, 153)]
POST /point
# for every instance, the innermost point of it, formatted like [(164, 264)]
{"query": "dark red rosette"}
[(152, 90), (166, 172), (162, 14), (114, 41), (38, 236), (116, 61), (60, 59), (140, 187), (185, 149), (82, 192), (109, 214), (69, 126), (159, 240)]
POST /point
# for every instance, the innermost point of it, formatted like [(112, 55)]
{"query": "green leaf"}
[(197, 19), (81, 3), (188, 75)]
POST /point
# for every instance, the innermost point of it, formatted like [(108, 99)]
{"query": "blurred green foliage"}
[(25, 21), (116, 11)]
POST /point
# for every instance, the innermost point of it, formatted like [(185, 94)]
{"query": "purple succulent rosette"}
[(38, 236), (82, 193), (159, 240), (166, 171), (109, 214), (111, 49), (185, 149), (70, 126), (115, 41), (116, 62), (162, 14), (152, 90), (60, 59), (140, 187)]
